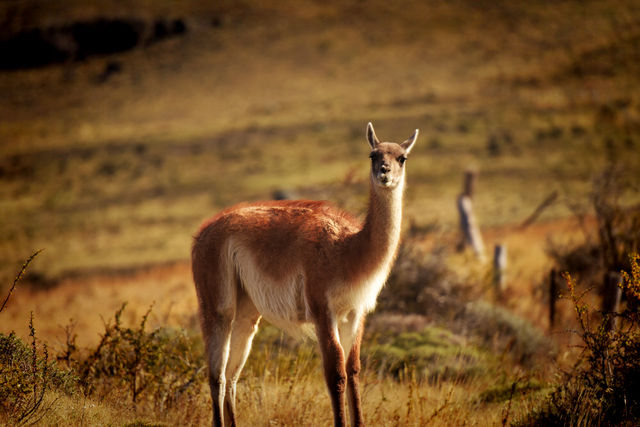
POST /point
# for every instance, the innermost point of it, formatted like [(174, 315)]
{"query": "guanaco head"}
[(388, 158)]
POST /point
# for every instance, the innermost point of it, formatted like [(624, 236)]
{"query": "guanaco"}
[(306, 267)]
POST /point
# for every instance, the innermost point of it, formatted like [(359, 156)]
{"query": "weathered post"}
[(611, 296), (470, 231), (469, 183), (499, 267)]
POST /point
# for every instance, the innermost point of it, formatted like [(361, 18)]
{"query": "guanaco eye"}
[(402, 159)]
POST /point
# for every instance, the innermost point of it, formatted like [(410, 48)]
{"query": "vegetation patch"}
[(26, 374), (505, 392), (435, 354), (158, 368), (602, 388), (498, 329), (424, 283)]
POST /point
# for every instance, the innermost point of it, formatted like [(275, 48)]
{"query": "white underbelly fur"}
[(282, 302), (279, 302)]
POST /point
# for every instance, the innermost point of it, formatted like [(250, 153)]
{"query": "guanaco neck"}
[(378, 239)]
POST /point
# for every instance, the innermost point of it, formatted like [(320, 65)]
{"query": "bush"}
[(161, 368), (25, 378), (618, 230), (157, 370), (433, 354), (497, 328), (602, 389), (158, 367), (422, 282)]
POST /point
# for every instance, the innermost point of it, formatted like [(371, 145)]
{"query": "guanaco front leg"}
[(334, 367), (353, 382)]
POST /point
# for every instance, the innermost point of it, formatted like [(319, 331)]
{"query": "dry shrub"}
[(395, 323), (158, 372), (617, 232), (26, 374), (160, 369), (602, 388), (25, 377), (584, 261), (422, 283), (497, 328)]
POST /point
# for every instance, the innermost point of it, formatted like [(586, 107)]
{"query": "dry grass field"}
[(110, 162)]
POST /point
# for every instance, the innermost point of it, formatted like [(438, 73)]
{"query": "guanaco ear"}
[(408, 144), (371, 136)]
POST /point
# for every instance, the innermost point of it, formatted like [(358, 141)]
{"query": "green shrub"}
[(25, 378), (433, 353), (496, 328), (423, 283)]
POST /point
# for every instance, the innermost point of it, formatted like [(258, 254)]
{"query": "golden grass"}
[(385, 402), (270, 393), (113, 178), (291, 400), (90, 301)]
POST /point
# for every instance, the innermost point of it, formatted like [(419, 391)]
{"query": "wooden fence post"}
[(469, 183), (499, 267), (470, 231), (611, 296)]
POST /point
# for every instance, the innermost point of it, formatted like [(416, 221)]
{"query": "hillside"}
[(276, 96)]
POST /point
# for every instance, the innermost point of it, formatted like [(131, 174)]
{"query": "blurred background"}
[(123, 125)]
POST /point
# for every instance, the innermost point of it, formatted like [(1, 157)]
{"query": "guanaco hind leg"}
[(245, 326), (218, 345), (217, 293)]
